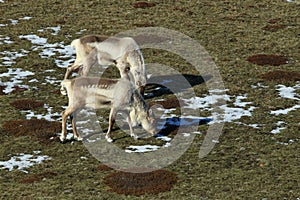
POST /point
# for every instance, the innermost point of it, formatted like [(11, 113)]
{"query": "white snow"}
[(229, 114), (6, 40), (29, 114), (65, 52), (16, 76), (10, 56), (279, 128), (142, 149), (285, 111), (23, 161), (288, 93)]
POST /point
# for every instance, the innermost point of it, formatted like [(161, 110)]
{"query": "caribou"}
[(103, 50), (100, 93)]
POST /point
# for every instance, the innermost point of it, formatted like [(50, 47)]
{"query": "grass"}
[(247, 163)]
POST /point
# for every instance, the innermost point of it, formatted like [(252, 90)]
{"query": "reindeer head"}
[(141, 114)]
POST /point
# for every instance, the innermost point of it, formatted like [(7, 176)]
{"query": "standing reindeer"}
[(102, 50), (97, 93)]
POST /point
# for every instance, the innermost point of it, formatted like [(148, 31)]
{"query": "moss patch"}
[(2, 87), (264, 59), (281, 76), (143, 4), (38, 177), (40, 129), (26, 104), (139, 184)]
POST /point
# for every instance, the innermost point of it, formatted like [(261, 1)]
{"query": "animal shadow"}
[(170, 84)]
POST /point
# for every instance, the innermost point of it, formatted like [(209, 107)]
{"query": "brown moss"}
[(281, 76), (264, 59), (273, 27), (41, 129), (2, 87), (26, 104), (18, 89), (141, 183), (103, 168), (143, 4), (38, 177)]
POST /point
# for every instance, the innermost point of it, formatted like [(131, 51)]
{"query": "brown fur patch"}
[(90, 81), (281, 76), (92, 38), (42, 130), (264, 59), (26, 104), (141, 183)]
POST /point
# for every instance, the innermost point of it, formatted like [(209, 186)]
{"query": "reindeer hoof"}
[(135, 137), (62, 139), (79, 139), (109, 139)]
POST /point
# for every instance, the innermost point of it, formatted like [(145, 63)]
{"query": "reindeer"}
[(97, 93), (103, 50)]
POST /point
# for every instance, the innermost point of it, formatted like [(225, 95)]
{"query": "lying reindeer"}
[(92, 49), (116, 94)]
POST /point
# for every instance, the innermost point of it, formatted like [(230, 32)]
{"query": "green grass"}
[(247, 163)]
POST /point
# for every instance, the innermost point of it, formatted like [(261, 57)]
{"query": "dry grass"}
[(247, 163)]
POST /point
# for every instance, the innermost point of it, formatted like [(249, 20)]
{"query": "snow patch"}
[(23, 161)]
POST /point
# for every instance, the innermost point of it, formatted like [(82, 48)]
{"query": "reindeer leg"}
[(112, 116), (65, 114), (71, 69), (89, 61), (132, 134), (76, 135)]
